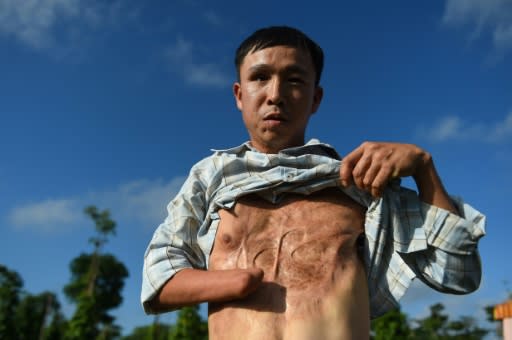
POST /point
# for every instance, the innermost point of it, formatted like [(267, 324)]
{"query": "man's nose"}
[(275, 91)]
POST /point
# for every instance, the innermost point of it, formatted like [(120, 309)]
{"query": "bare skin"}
[(272, 268), (310, 262)]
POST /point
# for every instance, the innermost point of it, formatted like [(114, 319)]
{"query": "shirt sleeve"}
[(174, 244), (408, 238), (451, 262)]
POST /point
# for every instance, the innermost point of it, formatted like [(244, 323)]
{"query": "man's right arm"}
[(174, 272), (193, 286)]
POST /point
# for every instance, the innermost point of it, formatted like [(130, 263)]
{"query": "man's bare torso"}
[(314, 279)]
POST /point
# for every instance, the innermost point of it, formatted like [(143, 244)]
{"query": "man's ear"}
[(237, 92), (317, 98)]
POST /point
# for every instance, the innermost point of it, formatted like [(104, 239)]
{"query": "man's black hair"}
[(280, 36)]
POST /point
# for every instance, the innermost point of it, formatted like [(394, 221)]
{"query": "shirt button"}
[(289, 177)]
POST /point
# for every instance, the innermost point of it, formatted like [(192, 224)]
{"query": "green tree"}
[(39, 317), (438, 326), (87, 319), (466, 328), (390, 326), (156, 331), (10, 290), (57, 327), (189, 325), (104, 226), (83, 324), (433, 326), (108, 284), (96, 284)]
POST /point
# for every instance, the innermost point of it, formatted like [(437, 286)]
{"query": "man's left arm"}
[(451, 262)]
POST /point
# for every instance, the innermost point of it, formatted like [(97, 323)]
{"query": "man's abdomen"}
[(307, 247)]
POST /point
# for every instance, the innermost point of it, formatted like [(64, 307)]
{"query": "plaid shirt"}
[(405, 237)]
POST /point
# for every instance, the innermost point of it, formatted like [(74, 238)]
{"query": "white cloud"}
[(142, 202), (48, 215), (32, 21), (492, 17), (454, 128), (212, 18), (183, 56), (35, 23), (181, 50), (503, 37), (205, 75)]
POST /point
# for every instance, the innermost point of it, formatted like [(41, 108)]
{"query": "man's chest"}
[(302, 238)]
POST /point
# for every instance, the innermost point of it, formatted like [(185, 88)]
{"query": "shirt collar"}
[(313, 146)]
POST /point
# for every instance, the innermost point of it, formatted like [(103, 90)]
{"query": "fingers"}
[(256, 273), (361, 172), (371, 166), (372, 176), (369, 178), (380, 181), (348, 164), (248, 280)]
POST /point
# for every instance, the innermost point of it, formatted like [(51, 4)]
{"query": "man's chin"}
[(278, 143)]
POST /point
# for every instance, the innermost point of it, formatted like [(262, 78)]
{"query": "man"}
[(280, 237)]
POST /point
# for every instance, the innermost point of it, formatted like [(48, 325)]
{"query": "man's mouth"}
[(274, 117), (273, 120)]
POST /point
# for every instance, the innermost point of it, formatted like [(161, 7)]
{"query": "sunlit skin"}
[(277, 96), (299, 253), (312, 270)]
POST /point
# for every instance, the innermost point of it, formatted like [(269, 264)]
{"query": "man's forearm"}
[(430, 186), (194, 286)]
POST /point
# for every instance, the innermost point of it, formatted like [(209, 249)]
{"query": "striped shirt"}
[(405, 238)]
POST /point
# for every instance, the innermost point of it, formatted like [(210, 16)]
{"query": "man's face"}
[(277, 95)]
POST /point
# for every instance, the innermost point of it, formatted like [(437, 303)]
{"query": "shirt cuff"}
[(450, 232), (157, 270)]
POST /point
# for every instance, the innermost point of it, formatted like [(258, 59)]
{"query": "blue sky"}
[(111, 102)]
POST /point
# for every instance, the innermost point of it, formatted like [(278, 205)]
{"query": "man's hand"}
[(372, 165)]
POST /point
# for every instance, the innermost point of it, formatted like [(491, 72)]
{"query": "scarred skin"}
[(308, 260), (291, 271)]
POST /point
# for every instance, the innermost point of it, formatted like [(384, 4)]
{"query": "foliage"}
[(109, 331), (57, 327), (104, 225), (96, 284), (10, 290), (35, 312), (189, 325), (83, 325), (156, 331), (436, 326), (26, 316), (466, 328), (108, 285), (392, 325)]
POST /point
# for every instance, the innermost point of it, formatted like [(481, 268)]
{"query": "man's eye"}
[(295, 80), (259, 77)]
